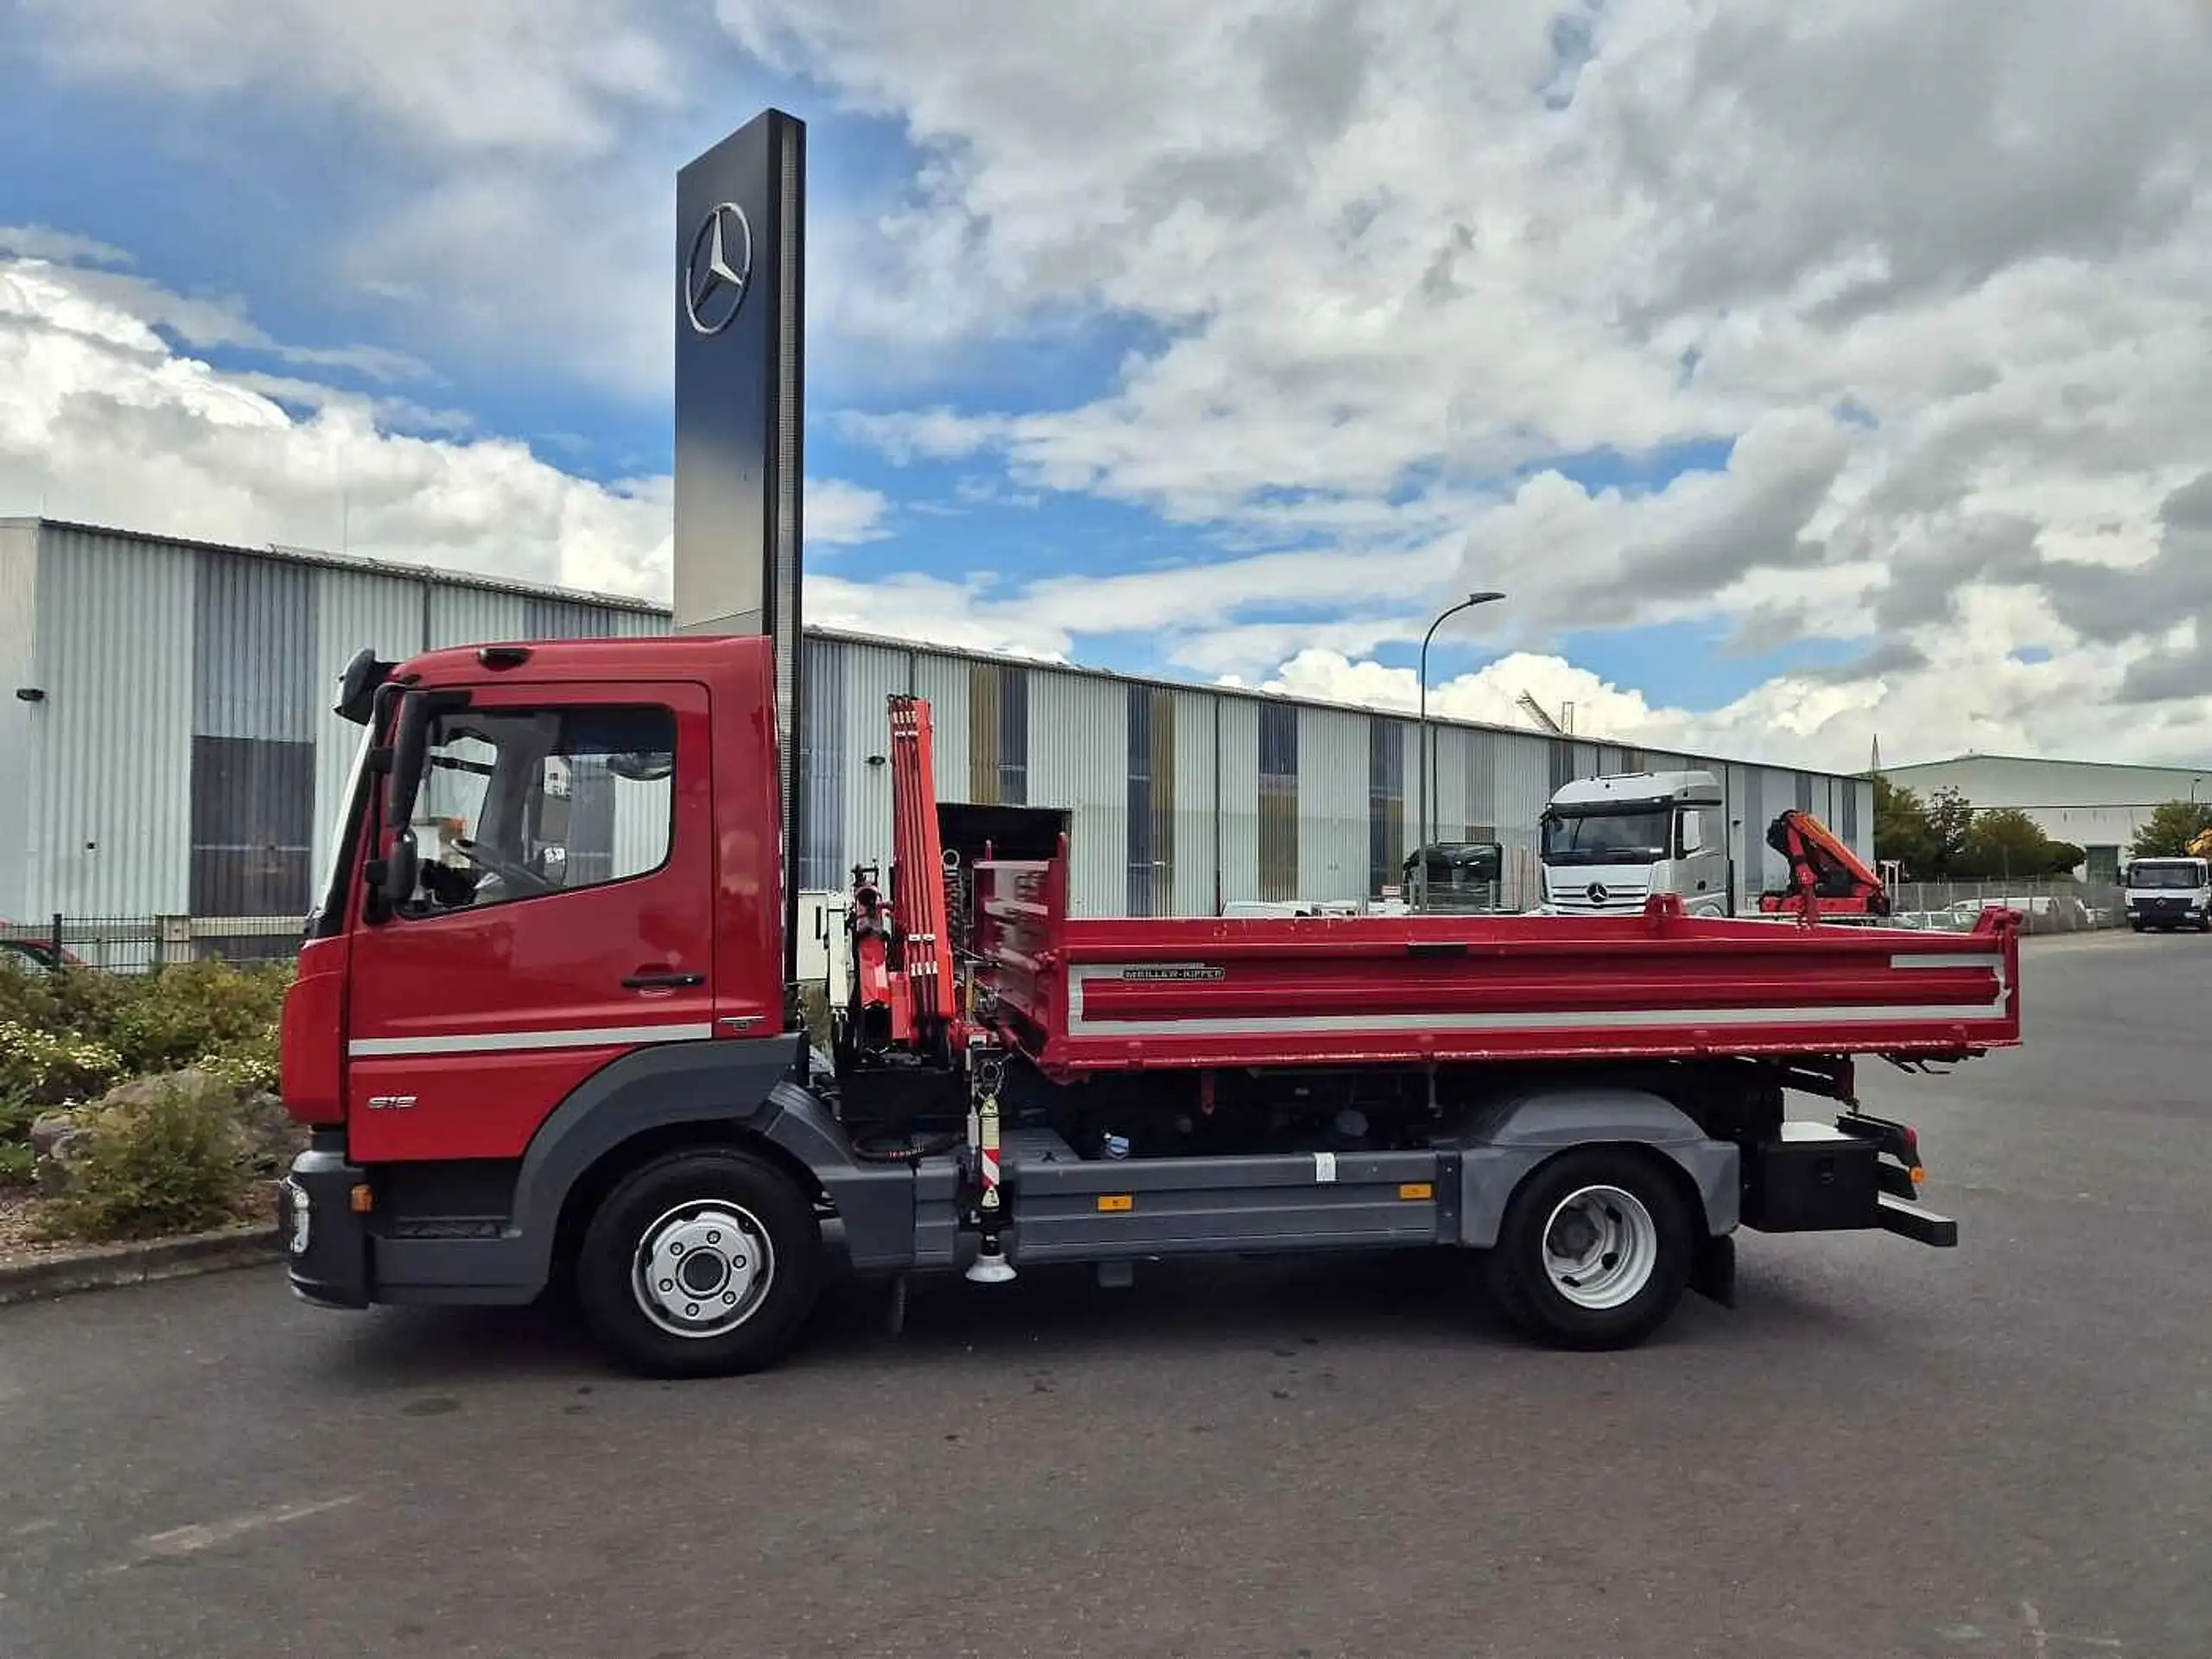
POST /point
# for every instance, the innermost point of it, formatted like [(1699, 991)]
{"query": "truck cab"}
[(1610, 843), (2169, 892)]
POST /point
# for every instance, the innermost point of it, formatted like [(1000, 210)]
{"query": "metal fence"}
[(136, 944), (2046, 906)]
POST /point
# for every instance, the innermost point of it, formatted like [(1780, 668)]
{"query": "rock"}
[(57, 1165), (269, 1135), (48, 1127), (141, 1092)]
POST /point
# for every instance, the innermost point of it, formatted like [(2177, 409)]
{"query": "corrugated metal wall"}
[(1332, 804), (1238, 752), (943, 681), (113, 813), (1198, 833), (354, 610), (20, 722), (253, 761), (465, 616), (1525, 771), (1082, 765), (868, 676)]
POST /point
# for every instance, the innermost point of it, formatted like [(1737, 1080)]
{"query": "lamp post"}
[(1421, 843)]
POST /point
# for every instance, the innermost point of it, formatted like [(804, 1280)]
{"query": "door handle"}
[(662, 982)]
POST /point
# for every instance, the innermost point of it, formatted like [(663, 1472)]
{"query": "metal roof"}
[(274, 550)]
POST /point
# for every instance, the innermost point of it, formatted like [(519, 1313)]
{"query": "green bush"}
[(196, 1010), (169, 1160), (17, 1114), (48, 1068)]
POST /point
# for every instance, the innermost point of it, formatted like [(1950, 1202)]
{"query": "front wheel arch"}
[(590, 1190)]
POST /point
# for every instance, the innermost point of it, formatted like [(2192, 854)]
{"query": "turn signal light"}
[(1112, 1202), (364, 1198), (1416, 1189), (1918, 1174)]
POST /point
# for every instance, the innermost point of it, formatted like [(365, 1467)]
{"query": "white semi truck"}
[(1610, 843)]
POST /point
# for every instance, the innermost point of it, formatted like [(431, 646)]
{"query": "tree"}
[(1901, 829), (1950, 821), (2006, 843), (2170, 828)]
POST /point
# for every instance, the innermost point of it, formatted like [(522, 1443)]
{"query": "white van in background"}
[(2169, 892)]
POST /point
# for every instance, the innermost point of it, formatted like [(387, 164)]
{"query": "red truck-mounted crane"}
[(1826, 878), (565, 1047)]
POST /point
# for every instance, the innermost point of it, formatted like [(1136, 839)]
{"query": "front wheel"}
[(700, 1264), (1594, 1251)]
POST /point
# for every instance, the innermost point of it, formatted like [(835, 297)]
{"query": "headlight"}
[(302, 1216)]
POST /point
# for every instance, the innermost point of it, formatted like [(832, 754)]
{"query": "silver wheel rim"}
[(703, 1269), (1600, 1246)]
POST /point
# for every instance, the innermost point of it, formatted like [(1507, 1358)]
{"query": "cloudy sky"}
[(1802, 373)]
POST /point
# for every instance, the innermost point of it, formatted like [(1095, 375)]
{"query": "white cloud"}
[(1939, 281), (839, 514), (61, 247), (102, 419), (1403, 272), (551, 76)]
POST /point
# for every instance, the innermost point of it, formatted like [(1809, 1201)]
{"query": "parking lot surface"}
[(2001, 1450)]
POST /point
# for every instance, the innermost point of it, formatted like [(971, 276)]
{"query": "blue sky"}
[(1150, 346)]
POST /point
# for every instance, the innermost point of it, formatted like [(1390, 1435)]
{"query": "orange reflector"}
[(1116, 1201), (1416, 1189), (1918, 1174), (364, 1198)]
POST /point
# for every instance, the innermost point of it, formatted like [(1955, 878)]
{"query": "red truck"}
[(543, 1033)]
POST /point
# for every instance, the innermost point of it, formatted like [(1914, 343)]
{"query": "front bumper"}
[(327, 1240), (2165, 912)]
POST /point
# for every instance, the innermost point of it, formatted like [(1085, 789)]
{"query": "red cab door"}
[(563, 917)]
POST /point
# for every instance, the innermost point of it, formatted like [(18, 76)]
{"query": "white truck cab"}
[(2169, 892), (1609, 843)]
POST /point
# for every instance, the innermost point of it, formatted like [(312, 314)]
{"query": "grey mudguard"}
[(1501, 1143), (745, 1083)]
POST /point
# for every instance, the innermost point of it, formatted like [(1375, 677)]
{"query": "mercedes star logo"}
[(1596, 892), (718, 268)]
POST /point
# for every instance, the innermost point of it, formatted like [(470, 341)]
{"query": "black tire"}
[(2136, 926), (1516, 1270), (719, 1181)]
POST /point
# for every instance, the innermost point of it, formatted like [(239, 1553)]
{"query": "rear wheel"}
[(700, 1264), (1594, 1251)]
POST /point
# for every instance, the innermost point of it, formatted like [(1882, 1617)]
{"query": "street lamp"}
[(1421, 843)]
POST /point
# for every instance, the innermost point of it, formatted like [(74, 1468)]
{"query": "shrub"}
[(176, 1015), (17, 1161), (26, 998), (164, 1158), (47, 1068)]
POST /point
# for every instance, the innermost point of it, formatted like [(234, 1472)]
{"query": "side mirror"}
[(1693, 833), (401, 870)]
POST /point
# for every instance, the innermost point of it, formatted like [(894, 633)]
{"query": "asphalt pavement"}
[(2004, 1449)]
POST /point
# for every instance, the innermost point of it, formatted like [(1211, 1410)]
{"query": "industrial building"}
[(169, 751), (2097, 805)]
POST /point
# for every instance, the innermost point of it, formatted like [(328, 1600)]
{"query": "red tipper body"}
[(1084, 996)]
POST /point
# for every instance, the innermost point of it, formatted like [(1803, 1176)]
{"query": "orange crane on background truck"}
[(1827, 881)]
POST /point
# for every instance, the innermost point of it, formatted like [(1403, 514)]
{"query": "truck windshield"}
[(2167, 875), (330, 885), (1606, 838)]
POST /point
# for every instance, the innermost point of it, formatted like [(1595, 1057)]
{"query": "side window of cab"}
[(518, 804)]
